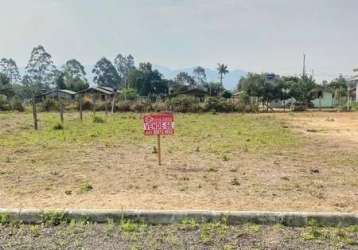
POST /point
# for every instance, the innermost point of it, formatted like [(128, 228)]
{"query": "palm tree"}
[(222, 70)]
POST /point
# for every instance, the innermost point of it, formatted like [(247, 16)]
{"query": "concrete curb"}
[(36, 216)]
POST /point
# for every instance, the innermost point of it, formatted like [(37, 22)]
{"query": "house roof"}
[(102, 90), (55, 91), (193, 91)]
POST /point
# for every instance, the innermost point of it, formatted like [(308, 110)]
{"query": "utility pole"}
[(304, 65)]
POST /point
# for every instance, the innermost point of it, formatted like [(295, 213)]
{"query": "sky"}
[(252, 35)]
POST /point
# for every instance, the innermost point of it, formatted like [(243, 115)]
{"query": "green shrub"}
[(50, 105), (183, 104), (98, 119), (4, 104), (129, 93), (53, 218), (219, 105), (58, 126), (16, 104), (85, 187)]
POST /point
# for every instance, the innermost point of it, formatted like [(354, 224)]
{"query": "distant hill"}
[(230, 80)]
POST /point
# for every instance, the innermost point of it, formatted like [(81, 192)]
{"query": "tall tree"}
[(106, 74), (74, 75), (60, 79), (222, 70), (124, 65), (199, 75), (185, 79), (146, 81), (40, 69), (10, 69)]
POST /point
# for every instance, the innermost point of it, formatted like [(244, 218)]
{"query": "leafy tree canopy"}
[(106, 74), (124, 65), (40, 71), (10, 69), (146, 81), (74, 76), (185, 79)]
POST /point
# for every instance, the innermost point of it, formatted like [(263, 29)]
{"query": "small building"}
[(354, 90), (326, 101), (64, 94), (104, 93), (198, 93)]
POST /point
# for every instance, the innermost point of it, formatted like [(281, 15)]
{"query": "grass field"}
[(291, 161)]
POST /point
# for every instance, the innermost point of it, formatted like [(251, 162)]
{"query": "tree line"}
[(42, 75), (268, 87)]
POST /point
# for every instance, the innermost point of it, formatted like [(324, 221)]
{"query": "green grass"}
[(219, 134)]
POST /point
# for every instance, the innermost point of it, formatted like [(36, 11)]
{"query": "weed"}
[(209, 231), (229, 247), (58, 126), (189, 224), (235, 182), (226, 158), (212, 169), (34, 230), (98, 119), (85, 187), (128, 226), (53, 218), (4, 218), (109, 227)]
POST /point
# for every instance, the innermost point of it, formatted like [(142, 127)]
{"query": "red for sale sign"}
[(159, 124)]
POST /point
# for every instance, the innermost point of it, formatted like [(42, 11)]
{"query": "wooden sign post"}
[(159, 124)]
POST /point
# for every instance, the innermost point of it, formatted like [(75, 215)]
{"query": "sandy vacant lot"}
[(278, 162)]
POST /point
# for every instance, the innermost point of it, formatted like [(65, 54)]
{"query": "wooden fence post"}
[(61, 111), (113, 102), (80, 103), (34, 112), (106, 105), (94, 104)]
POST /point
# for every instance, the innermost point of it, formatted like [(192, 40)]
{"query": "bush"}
[(16, 104), (50, 105), (58, 126), (219, 105), (140, 107), (159, 107), (123, 106), (4, 104), (98, 119), (355, 106), (183, 104)]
